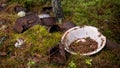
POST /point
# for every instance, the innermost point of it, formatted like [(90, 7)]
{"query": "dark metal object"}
[(19, 8), (54, 28), (57, 54), (62, 27), (111, 45), (1, 8), (29, 13), (46, 10), (66, 26), (26, 22), (48, 21)]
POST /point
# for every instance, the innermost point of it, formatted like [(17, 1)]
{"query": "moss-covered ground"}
[(103, 14)]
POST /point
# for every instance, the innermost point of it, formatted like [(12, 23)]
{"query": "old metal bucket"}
[(83, 32)]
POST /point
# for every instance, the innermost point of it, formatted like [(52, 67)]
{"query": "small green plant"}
[(88, 62), (30, 63), (71, 65)]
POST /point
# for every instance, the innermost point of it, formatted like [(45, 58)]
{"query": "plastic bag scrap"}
[(57, 54), (19, 43)]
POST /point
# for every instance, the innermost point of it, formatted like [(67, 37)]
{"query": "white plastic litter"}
[(19, 43), (21, 13), (44, 15), (76, 33), (3, 27)]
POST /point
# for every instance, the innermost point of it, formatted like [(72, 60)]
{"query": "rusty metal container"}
[(19, 8), (61, 27), (54, 28), (48, 21), (23, 23), (66, 26)]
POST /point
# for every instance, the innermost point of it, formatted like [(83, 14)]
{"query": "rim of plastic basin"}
[(102, 37)]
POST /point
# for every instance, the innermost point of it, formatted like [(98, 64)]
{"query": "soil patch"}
[(84, 45)]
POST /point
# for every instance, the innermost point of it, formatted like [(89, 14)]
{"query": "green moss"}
[(39, 38)]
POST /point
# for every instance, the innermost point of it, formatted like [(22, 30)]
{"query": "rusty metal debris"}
[(54, 28), (44, 19), (19, 8), (61, 27), (111, 45), (26, 22), (67, 25), (46, 10), (31, 19), (57, 54), (48, 21)]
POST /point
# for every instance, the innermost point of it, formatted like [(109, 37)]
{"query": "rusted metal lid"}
[(48, 21), (23, 23), (67, 25)]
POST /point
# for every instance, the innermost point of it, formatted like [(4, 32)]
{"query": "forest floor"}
[(99, 13)]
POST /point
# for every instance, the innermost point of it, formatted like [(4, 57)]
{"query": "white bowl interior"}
[(82, 32)]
